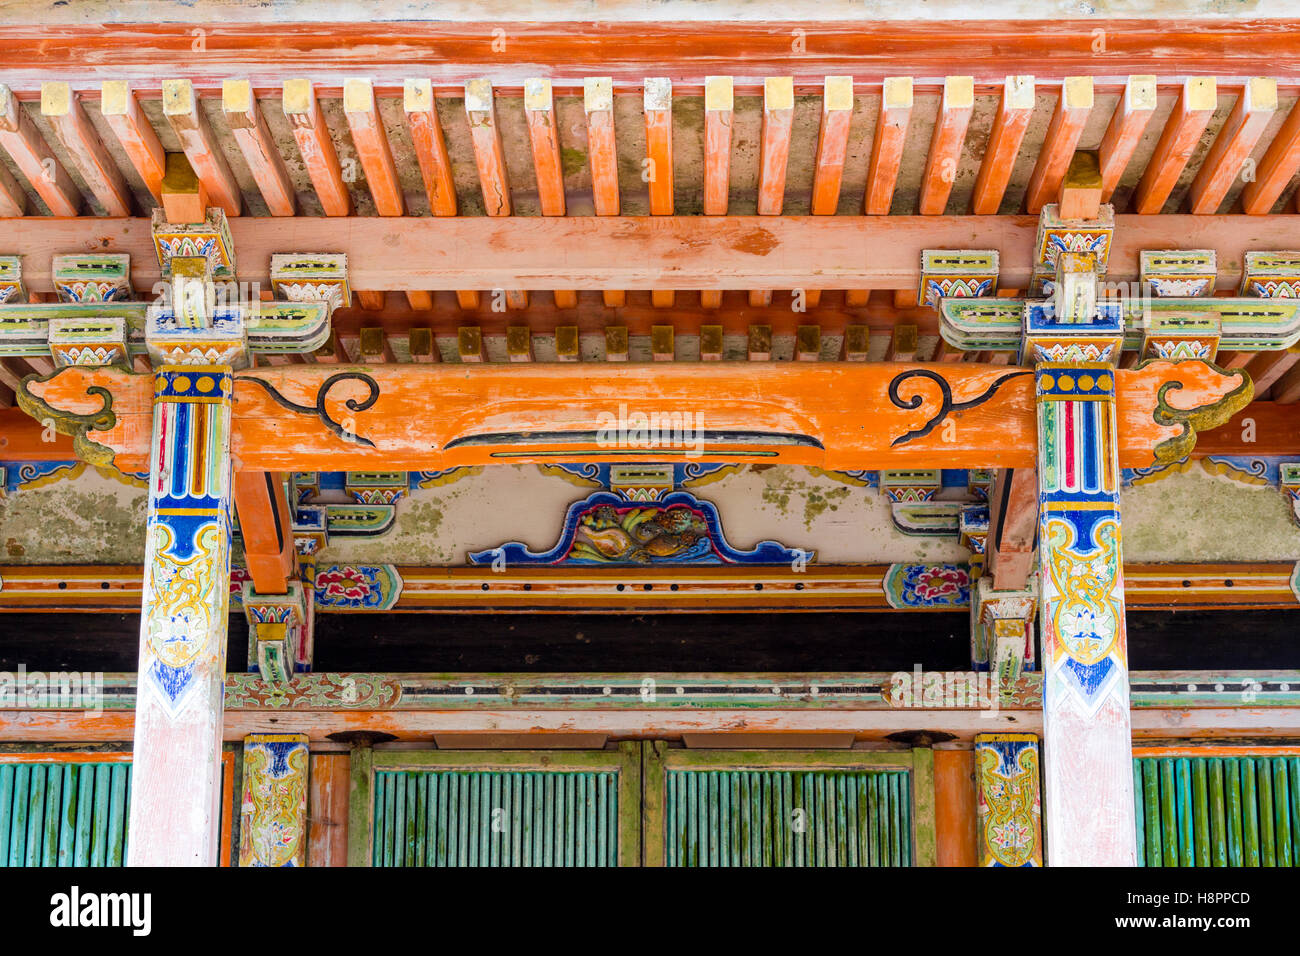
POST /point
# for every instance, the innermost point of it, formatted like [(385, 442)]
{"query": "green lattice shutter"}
[(64, 814), (1217, 811)]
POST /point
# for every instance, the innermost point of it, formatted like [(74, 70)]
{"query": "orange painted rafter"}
[(778, 123), (1196, 102), (946, 144), (1063, 134), (371, 142), (121, 111), (1009, 125), (800, 413), (1278, 165), (1127, 124), (20, 138), (251, 134), (64, 112), (602, 152), (1232, 147), (312, 135), (832, 144), (190, 124), (266, 528), (658, 107), (430, 147), (489, 156), (718, 105), (539, 111), (13, 200), (887, 145)]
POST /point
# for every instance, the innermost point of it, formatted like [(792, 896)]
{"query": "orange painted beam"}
[(22, 438), (718, 106), (1009, 125), (796, 413), (887, 145), (1196, 102), (1071, 115), (190, 124), (1260, 429), (946, 144), (832, 144), (539, 111), (778, 124), (1227, 158), (63, 111), (602, 152), (253, 137), (954, 807), (266, 528), (371, 142), (20, 138), (1279, 163), (1132, 114), (312, 135), (430, 146), (121, 111), (627, 252)]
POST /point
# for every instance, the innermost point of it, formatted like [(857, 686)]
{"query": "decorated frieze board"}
[(1271, 275), (11, 280), (967, 273), (1008, 803), (271, 327), (872, 690), (303, 278), (1246, 324), (960, 415), (1179, 272), (273, 812), (92, 278), (904, 587)]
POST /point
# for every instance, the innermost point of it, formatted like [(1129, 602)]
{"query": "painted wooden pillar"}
[(273, 815), (1087, 746), (176, 776)]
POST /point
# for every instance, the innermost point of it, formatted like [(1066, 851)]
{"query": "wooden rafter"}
[(190, 123), (250, 132)]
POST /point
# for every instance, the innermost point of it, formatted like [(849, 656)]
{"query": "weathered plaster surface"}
[(1193, 516)]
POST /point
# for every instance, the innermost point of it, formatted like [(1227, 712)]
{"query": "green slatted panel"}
[(788, 818), (63, 814), (495, 818), (1218, 811)]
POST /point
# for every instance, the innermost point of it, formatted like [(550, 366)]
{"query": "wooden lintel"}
[(266, 526), (626, 252)]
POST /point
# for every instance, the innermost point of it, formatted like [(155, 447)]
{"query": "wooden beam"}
[(319, 157), (253, 137), (694, 41), (1080, 192), (63, 110), (832, 144), (592, 252), (887, 145), (1013, 528), (1278, 165), (430, 147), (13, 199), (488, 153), (602, 151), (1015, 109), (946, 144), (1269, 367), (266, 528), (190, 124), (778, 123), (20, 138), (1232, 147), (121, 111), (1127, 124), (494, 413), (1196, 102), (184, 199), (718, 103), (371, 142), (658, 108), (539, 111), (1063, 134)]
